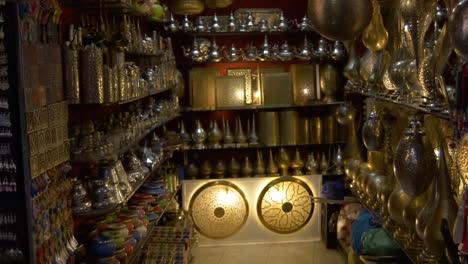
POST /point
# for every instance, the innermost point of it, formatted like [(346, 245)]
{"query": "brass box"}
[(202, 88), (304, 83), (230, 92), (246, 73), (277, 89)]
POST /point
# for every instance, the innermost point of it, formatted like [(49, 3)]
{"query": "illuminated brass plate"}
[(277, 89), (202, 88), (246, 73), (304, 83), (219, 209), (230, 91), (285, 205)]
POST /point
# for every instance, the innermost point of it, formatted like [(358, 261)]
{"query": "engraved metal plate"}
[(277, 89), (230, 91), (260, 78), (272, 15), (247, 74), (304, 83), (202, 88), (219, 209), (285, 205)]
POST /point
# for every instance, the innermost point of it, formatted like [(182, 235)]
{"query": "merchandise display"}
[(133, 131)]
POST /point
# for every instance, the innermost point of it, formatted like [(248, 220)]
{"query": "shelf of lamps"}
[(412, 255), (256, 146), (124, 101), (136, 253), (263, 107), (127, 146), (406, 105)]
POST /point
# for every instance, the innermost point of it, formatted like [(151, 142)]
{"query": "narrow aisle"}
[(291, 253)]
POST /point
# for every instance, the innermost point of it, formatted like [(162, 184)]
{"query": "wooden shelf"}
[(265, 147), (264, 107)]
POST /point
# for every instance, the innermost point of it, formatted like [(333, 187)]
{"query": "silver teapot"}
[(194, 53), (215, 26), (201, 25), (251, 53), (250, 25), (265, 53), (285, 53), (322, 49), (264, 27), (232, 25), (305, 24), (215, 54), (282, 25), (305, 52), (338, 52), (234, 54), (173, 25), (187, 25)]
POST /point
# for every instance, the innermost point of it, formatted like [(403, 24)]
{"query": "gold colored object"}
[(328, 82), (304, 83), (234, 168), (230, 91), (259, 169), (228, 138), (192, 171), (271, 168), (219, 209), (410, 214), (246, 73), (289, 127), (247, 170), (202, 88), (268, 127), (460, 167), (271, 15), (315, 130), (261, 71), (297, 164), (375, 36), (215, 135), (187, 7), (284, 161), (218, 3), (239, 136), (329, 129), (445, 208), (340, 19), (219, 169), (277, 89), (303, 130), (397, 202), (350, 71), (206, 169), (284, 205)]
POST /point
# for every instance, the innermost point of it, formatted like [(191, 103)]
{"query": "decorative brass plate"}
[(202, 88), (285, 205), (277, 89), (219, 209), (247, 74), (230, 91)]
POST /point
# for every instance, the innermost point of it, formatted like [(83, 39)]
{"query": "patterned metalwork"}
[(285, 205), (219, 209)]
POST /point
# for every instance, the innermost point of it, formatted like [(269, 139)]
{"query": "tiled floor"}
[(291, 253)]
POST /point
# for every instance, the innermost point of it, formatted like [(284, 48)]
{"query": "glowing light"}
[(227, 197)]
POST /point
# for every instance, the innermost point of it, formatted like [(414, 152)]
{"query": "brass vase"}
[(206, 169), (361, 180), (328, 82), (271, 168), (228, 138), (219, 169), (215, 135), (253, 137), (234, 168), (397, 202), (199, 136), (375, 36), (284, 161), (414, 160), (297, 164), (445, 208), (373, 130), (409, 217), (351, 70), (376, 180), (192, 171), (239, 136), (311, 165), (259, 169), (246, 170)]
